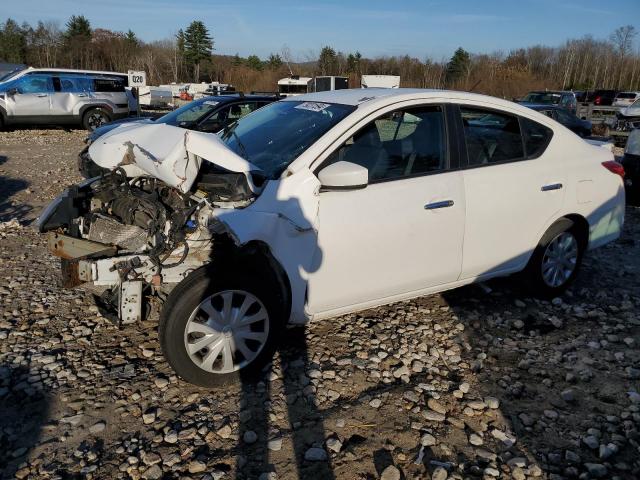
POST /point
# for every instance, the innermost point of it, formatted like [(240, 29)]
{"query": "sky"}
[(420, 28)]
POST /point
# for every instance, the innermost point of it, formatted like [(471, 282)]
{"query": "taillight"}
[(597, 101), (614, 167)]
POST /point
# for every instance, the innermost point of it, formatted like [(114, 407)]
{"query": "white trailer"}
[(380, 81), (295, 85), (155, 96)]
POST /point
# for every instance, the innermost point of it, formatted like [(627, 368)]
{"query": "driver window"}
[(399, 144), (35, 84)]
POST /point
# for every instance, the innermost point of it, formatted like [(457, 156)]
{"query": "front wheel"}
[(215, 325), (94, 118), (556, 260)]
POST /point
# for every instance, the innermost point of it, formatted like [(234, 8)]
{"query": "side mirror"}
[(344, 176), (12, 91)]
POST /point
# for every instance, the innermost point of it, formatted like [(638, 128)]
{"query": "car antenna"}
[(475, 85)]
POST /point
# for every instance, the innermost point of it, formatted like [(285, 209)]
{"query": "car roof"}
[(231, 97), (361, 96), (553, 92), (541, 106), (68, 70)]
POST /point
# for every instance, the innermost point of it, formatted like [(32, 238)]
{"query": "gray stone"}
[(390, 473), (250, 437), (596, 470), (315, 454), (439, 473)]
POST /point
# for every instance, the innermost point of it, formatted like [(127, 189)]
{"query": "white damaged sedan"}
[(325, 204)]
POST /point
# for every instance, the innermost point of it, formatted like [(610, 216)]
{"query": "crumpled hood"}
[(171, 154)]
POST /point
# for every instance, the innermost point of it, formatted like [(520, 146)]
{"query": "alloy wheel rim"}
[(96, 120), (227, 331), (560, 260)]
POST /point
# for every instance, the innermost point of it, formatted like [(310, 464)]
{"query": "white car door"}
[(403, 232), (32, 101), (513, 189)]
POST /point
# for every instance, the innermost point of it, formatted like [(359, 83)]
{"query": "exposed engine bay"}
[(130, 239)]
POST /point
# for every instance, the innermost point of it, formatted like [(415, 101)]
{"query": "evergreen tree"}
[(131, 38), (254, 62), (13, 42), (353, 62), (274, 62), (78, 26), (328, 61), (197, 46), (458, 66)]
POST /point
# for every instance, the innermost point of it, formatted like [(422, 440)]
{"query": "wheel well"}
[(581, 227), (86, 108), (258, 252)]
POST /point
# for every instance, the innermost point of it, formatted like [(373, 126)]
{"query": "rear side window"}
[(536, 137), (75, 84), (109, 84), (491, 137)]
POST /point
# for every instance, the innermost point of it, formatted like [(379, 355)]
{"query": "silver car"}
[(63, 97)]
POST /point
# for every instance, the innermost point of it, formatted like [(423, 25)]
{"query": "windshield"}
[(4, 76), (543, 98), (189, 113), (274, 136)]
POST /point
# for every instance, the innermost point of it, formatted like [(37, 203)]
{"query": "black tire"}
[(1, 122), (95, 117), (193, 290), (533, 273), (87, 167)]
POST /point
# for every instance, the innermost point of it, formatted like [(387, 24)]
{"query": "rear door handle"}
[(552, 186), (82, 95), (442, 204), (42, 95)]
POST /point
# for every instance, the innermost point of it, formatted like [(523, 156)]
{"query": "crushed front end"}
[(130, 240)]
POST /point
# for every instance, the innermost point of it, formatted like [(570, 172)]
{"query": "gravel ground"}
[(474, 383)]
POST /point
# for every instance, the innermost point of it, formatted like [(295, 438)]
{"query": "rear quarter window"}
[(108, 85), (536, 137)]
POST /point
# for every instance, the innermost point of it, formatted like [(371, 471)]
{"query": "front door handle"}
[(442, 204), (42, 95), (553, 186)]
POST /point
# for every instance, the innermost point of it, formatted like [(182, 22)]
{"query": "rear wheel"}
[(216, 325), (94, 118), (556, 260)]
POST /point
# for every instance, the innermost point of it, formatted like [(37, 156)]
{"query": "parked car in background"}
[(581, 95), (602, 97), (572, 122), (210, 114), (563, 99), (626, 99), (53, 96), (325, 204), (631, 163)]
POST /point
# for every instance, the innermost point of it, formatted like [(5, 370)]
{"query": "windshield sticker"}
[(211, 102), (313, 106)]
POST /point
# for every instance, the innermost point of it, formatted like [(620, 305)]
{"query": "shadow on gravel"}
[(8, 187), (305, 419), (24, 408)]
